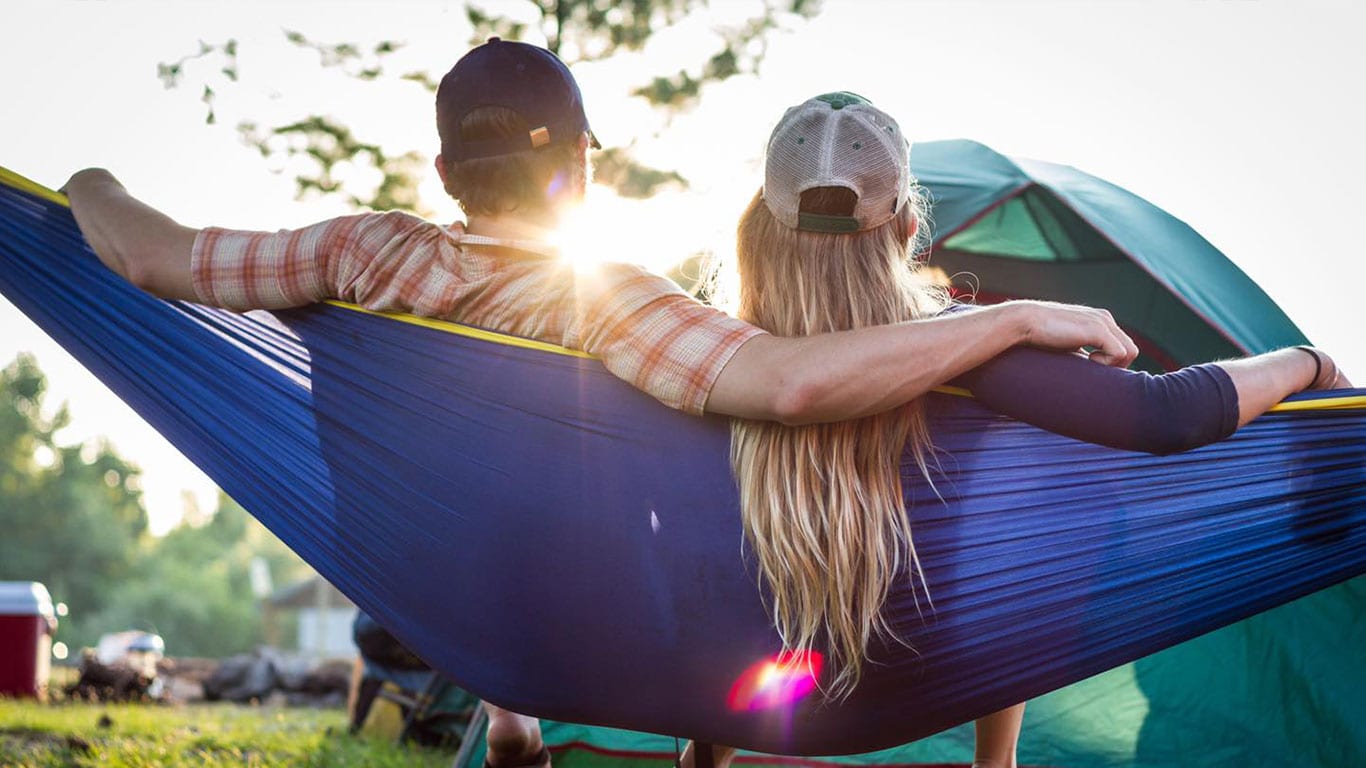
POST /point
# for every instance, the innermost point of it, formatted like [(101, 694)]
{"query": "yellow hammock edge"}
[(11, 179)]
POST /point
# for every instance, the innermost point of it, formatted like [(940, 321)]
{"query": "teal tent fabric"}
[(1031, 229)]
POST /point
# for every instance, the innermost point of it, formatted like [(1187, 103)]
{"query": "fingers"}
[(1130, 349), (86, 176), (1068, 327), (1332, 377), (1115, 347)]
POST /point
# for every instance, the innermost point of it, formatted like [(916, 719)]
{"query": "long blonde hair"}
[(822, 504)]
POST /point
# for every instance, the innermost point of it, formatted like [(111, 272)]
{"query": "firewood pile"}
[(265, 676), (268, 676)]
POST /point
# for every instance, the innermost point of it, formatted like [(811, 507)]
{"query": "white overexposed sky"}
[(1242, 117)]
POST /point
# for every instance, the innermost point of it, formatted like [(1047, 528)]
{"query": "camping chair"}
[(425, 707)]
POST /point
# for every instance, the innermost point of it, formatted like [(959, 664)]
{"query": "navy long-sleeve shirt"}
[(1132, 410)]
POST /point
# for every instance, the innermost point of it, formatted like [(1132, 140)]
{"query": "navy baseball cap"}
[(526, 79)]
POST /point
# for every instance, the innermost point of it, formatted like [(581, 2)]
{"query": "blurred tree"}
[(73, 515), (193, 585), (592, 30), (576, 30)]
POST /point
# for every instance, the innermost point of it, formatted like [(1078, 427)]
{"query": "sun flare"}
[(607, 228)]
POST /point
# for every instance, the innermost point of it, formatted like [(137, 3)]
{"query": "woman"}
[(828, 245)]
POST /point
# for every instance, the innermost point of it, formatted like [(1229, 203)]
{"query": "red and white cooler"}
[(27, 622)]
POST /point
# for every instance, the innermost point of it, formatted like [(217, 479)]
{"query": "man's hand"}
[(132, 238), (1070, 328), (85, 178)]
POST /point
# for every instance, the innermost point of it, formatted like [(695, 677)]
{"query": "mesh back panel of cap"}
[(855, 146)]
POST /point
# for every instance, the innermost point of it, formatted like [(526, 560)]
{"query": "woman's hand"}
[(1328, 375)]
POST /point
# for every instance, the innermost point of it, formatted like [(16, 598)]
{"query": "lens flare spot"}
[(778, 681)]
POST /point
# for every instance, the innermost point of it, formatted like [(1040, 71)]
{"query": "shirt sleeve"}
[(1131, 410), (661, 340), (242, 270)]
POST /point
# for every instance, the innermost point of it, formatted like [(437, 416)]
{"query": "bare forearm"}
[(1264, 380), (855, 373), (137, 241)]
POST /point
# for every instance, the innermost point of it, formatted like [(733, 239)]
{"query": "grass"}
[(141, 736)]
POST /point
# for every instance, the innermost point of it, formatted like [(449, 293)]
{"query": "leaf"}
[(679, 90), (617, 169), (421, 78), (169, 74)]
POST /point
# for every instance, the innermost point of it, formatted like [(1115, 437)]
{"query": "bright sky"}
[(1243, 118)]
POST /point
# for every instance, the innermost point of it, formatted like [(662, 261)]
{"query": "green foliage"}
[(616, 168), (489, 25), (330, 146), (323, 141), (217, 736), (585, 30), (742, 51), (73, 519), (73, 515), (350, 57), (171, 73), (591, 30), (193, 585), (577, 30)]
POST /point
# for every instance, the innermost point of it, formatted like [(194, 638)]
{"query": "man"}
[(514, 142)]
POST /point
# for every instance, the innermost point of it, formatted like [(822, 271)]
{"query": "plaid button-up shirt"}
[(641, 325)]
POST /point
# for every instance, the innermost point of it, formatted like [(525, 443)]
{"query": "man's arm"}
[(144, 245), (845, 375)]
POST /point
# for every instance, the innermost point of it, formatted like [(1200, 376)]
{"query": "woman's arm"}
[(1264, 380), (1138, 411)]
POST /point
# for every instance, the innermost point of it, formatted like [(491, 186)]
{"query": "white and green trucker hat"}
[(837, 140)]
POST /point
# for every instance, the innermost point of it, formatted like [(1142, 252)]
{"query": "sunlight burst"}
[(610, 229)]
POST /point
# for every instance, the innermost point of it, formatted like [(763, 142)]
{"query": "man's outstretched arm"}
[(794, 380), (845, 375)]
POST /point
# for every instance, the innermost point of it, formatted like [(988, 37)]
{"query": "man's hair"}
[(531, 181)]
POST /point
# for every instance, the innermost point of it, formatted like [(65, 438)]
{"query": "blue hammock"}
[(563, 545)]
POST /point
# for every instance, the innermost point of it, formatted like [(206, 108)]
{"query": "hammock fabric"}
[(563, 545)]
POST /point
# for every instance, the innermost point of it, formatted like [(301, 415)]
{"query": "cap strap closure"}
[(816, 222)]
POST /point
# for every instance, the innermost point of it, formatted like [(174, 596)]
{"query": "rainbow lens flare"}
[(778, 681)]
